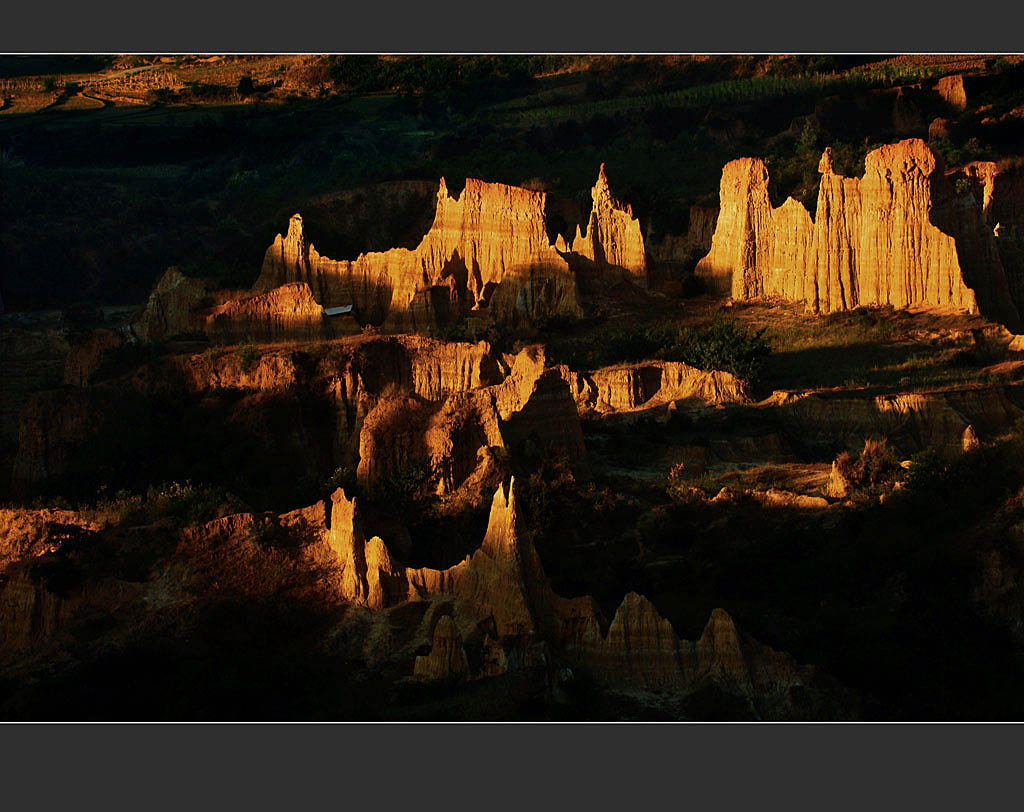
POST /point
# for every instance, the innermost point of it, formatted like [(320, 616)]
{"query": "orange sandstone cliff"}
[(488, 235), (488, 247), (873, 240)]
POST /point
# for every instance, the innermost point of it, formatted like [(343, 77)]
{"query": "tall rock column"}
[(613, 236)]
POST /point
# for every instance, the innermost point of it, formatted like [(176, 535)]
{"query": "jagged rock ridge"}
[(613, 236), (504, 601), (487, 247)]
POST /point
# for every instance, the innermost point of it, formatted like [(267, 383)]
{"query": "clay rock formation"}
[(368, 575), (503, 587), (674, 255), (939, 128), (458, 430), (26, 533), (838, 485), (53, 425), (912, 421), (632, 387), (642, 652), (182, 305), (30, 614), (372, 218), (171, 306), (447, 657), (488, 235), (455, 439), (970, 441), (999, 187), (951, 88), (702, 225), (83, 359), (612, 236), (781, 498), (487, 251), (535, 402), (498, 601), (286, 312), (394, 401), (223, 370), (502, 583), (34, 609), (488, 248), (287, 260), (31, 359), (872, 241)]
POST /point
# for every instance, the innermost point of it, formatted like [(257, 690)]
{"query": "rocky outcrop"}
[(171, 307), (493, 613), (951, 88), (286, 312), (642, 652), (612, 237), (487, 249), (459, 432), (396, 402), (488, 235), (912, 421), (632, 387), (999, 187), (26, 533), (31, 359), (53, 426), (873, 241), (83, 359), (447, 657)]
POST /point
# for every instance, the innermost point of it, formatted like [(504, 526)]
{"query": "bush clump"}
[(721, 345), (926, 471), (876, 465), (248, 353), (408, 489), (184, 504)]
